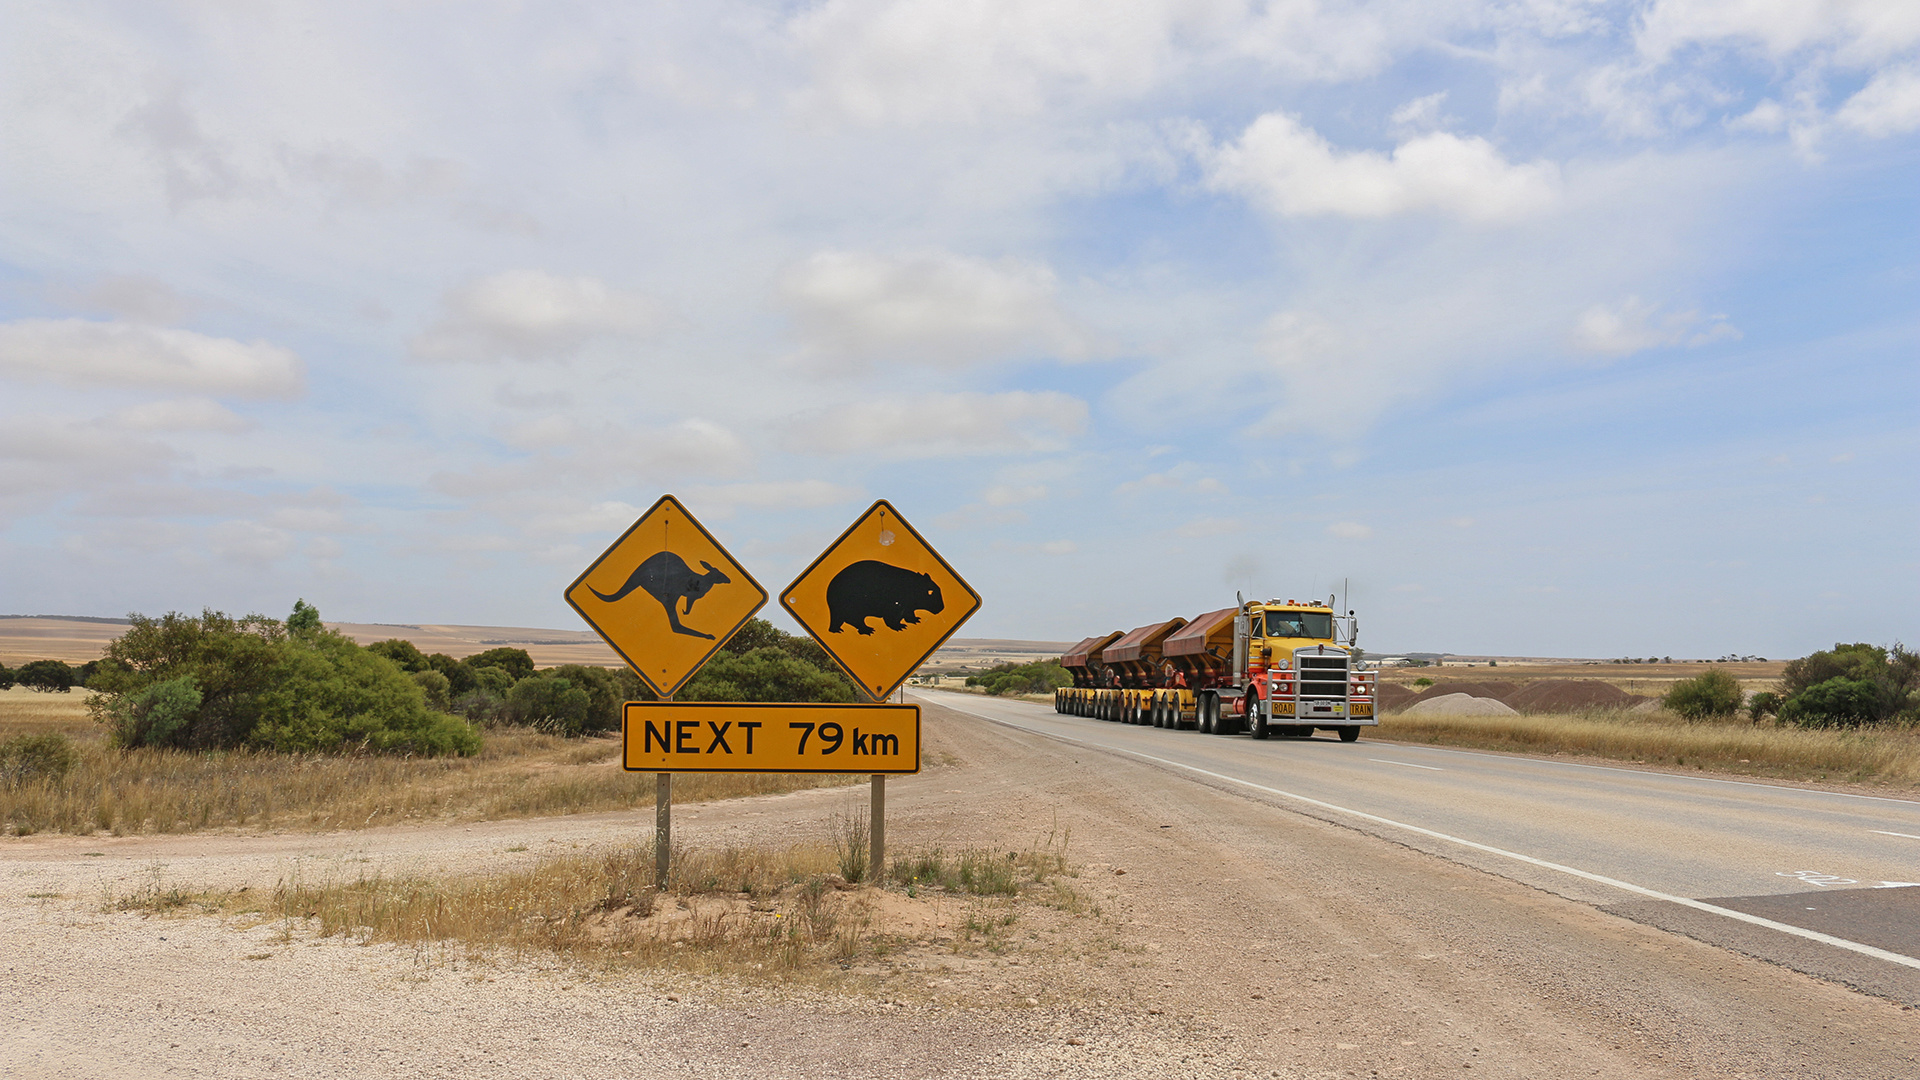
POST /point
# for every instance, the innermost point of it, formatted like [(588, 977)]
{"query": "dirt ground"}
[(1231, 938)]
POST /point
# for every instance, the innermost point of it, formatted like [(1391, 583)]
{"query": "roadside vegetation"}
[(211, 721), (1010, 679), (1850, 713), (779, 912)]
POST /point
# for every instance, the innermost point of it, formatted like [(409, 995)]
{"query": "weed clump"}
[(27, 758)]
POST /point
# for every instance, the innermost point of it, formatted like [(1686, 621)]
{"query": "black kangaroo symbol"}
[(668, 579)]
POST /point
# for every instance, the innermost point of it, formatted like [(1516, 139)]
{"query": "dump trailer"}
[(1282, 667)]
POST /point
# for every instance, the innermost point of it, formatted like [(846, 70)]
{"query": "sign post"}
[(880, 601), (636, 596)]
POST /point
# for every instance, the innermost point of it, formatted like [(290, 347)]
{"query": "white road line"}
[(1884, 832), (1585, 875), (1408, 764)]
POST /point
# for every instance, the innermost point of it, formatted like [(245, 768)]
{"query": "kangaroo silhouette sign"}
[(663, 616), (880, 600)]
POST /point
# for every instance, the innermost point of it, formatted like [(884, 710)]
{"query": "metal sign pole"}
[(876, 817), (662, 825)]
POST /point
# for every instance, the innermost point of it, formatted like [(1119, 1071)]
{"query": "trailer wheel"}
[(1350, 733), (1203, 713)]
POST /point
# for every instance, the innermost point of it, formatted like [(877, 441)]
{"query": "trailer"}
[(1279, 667)]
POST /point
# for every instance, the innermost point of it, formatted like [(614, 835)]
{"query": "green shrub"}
[(1762, 705), (25, 758), (331, 695), (1712, 693), (1039, 677), (1423, 681), (156, 716), (259, 685), (765, 674), (436, 687), (550, 702), (46, 676), (460, 677), (402, 652), (515, 662), (761, 634), (493, 680), (1840, 702), (6, 678)]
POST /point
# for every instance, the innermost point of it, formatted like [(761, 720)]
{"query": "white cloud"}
[(943, 425), (931, 307), (1857, 30), (774, 495), (180, 414), (1769, 116), (1178, 478), (249, 542), (1058, 547), (1635, 324), (80, 352), (1888, 105), (136, 297), (592, 454), (1349, 530), (1200, 528), (1422, 113), (1013, 494), (532, 315), (1294, 171)]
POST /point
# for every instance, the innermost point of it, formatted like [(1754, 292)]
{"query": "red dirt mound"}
[(1570, 695), (1393, 697)]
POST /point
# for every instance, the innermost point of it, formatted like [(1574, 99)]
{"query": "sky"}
[(1533, 327)]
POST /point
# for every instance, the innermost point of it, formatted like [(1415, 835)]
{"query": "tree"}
[(550, 702), (435, 686), (402, 652), (232, 662), (305, 618), (6, 678), (1039, 677), (1850, 685), (765, 674), (46, 676), (1711, 693), (460, 677), (515, 662), (156, 715), (329, 694), (761, 634)]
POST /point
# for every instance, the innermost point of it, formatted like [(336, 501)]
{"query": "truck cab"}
[(1299, 674)]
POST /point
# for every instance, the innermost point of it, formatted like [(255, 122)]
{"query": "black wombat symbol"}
[(668, 579), (869, 589)]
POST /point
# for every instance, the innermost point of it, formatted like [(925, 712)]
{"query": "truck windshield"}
[(1306, 624)]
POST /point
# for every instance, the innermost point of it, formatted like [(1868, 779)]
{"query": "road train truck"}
[(1281, 668)]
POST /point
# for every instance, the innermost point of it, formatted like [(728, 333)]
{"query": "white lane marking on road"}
[(1585, 875), (1408, 764), (1884, 832), (1816, 877)]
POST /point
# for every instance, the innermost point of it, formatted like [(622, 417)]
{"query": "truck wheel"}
[(1350, 733), (1259, 729), (1203, 713)]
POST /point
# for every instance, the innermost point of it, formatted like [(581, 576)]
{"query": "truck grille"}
[(1322, 675)]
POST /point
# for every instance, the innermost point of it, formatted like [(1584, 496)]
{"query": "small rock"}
[(1075, 1042), (673, 997), (1033, 1001), (1119, 872)]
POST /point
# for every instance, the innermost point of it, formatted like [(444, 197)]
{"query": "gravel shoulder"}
[(1233, 938)]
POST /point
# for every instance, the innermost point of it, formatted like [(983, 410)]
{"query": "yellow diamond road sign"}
[(666, 596), (880, 600)]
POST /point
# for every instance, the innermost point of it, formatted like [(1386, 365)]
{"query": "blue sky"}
[(1543, 327)]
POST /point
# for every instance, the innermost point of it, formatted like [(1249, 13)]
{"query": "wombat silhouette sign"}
[(663, 616), (880, 600)]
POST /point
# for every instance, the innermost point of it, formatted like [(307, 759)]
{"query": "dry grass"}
[(1890, 757), (779, 912), (519, 773)]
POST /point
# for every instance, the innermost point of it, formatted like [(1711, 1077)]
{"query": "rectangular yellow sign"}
[(724, 736)]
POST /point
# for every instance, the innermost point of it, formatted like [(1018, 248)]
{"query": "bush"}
[(1840, 702), (481, 706), (1039, 677), (25, 758), (608, 688), (155, 716), (460, 677), (6, 678), (1851, 685), (1711, 693), (402, 652), (760, 634), (329, 694), (437, 688), (46, 676), (550, 702), (515, 662), (258, 685), (765, 674), (1762, 705)]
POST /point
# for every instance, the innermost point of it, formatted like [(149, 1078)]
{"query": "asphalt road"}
[(1820, 881)]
